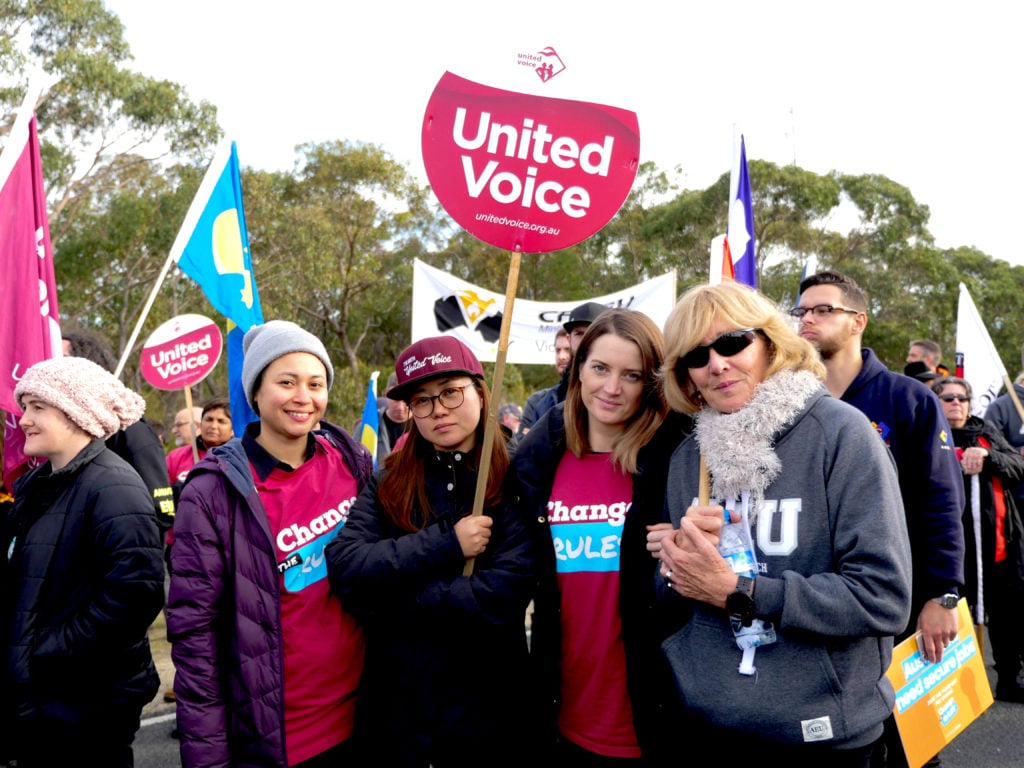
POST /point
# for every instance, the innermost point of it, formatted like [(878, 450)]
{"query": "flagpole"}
[(1013, 396), (10, 154), (492, 411), (143, 316)]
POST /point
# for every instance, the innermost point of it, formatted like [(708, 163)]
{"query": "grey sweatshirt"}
[(834, 577)]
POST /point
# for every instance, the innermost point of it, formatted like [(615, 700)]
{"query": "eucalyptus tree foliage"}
[(109, 259), (96, 114), (332, 243)]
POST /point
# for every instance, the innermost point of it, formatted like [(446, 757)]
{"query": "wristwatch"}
[(740, 604), (948, 600)]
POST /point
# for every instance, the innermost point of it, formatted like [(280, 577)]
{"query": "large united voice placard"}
[(528, 174)]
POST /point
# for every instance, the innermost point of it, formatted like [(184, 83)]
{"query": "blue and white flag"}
[(370, 425), (212, 248), (739, 233)]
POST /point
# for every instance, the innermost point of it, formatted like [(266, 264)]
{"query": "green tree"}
[(110, 257), (331, 242), (96, 115)]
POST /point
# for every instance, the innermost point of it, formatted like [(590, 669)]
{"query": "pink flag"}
[(29, 323)]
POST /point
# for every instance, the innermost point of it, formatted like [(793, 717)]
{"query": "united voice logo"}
[(546, 63)]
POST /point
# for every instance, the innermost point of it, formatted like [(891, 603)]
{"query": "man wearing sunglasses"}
[(832, 315)]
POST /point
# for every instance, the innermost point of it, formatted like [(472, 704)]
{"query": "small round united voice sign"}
[(181, 352)]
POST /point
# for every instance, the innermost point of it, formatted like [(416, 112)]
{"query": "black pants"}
[(51, 743)]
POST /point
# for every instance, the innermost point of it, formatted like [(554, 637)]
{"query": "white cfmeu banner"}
[(444, 304), (977, 360)]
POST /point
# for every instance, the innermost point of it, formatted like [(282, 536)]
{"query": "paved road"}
[(994, 740)]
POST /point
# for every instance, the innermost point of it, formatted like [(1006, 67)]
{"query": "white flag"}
[(444, 303), (976, 358)]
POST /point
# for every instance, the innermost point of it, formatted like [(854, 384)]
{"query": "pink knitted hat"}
[(87, 394)]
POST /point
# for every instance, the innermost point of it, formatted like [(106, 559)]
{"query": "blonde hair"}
[(736, 306), (650, 413)]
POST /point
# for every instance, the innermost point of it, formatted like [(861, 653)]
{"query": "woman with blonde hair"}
[(822, 579), (592, 472)]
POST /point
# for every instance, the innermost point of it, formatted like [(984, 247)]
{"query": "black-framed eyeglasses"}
[(450, 397), (820, 310), (949, 398), (726, 345)]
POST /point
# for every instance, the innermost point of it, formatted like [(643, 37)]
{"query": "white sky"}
[(925, 93)]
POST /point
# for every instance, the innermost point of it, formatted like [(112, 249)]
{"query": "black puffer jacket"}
[(646, 620), (446, 655), (1005, 463), (81, 584)]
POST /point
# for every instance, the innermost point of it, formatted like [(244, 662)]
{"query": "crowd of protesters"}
[(717, 529)]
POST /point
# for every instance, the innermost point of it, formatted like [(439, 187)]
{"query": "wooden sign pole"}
[(492, 412), (191, 425)]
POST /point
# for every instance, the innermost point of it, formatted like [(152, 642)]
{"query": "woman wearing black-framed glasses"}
[(446, 654), (828, 585)]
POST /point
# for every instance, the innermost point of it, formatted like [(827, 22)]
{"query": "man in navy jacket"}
[(909, 418), (832, 311)]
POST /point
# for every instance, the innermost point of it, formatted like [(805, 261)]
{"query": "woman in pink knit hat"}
[(82, 576)]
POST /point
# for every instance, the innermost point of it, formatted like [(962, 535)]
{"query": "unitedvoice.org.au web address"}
[(512, 223)]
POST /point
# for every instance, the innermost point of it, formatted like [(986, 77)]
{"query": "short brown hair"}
[(853, 294)]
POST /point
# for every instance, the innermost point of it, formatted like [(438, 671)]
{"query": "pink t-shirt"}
[(586, 511), (323, 646), (180, 461)]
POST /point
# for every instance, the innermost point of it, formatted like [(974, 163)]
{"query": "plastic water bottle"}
[(734, 546)]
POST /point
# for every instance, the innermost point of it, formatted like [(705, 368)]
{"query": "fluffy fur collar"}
[(738, 447)]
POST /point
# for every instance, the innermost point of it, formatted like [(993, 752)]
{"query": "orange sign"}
[(935, 702)]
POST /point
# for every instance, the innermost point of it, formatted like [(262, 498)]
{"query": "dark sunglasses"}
[(726, 345), (951, 398)]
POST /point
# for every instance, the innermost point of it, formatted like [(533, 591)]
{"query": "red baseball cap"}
[(429, 358)]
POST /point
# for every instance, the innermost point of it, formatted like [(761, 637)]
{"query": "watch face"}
[(740, 607)]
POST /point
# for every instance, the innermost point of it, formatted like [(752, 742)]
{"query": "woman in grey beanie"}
[(83, 576), (267, 661)]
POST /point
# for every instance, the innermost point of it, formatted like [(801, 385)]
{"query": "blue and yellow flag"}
[(212, 248), (370, 426)]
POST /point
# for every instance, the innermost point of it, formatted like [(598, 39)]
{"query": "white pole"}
[(143, 316)]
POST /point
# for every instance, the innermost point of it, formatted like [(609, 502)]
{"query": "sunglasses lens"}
[(696, 358), (726, 345), (733, 343)]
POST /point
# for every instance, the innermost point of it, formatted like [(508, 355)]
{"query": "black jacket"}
[(446, 655), (1003, 462), (83, 582), (646, 621), (140, 446)]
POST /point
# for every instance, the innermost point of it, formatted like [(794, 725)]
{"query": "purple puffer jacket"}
[(224, 613)]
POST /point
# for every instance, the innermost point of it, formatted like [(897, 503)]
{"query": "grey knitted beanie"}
[(91, 397), (263, 344)]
